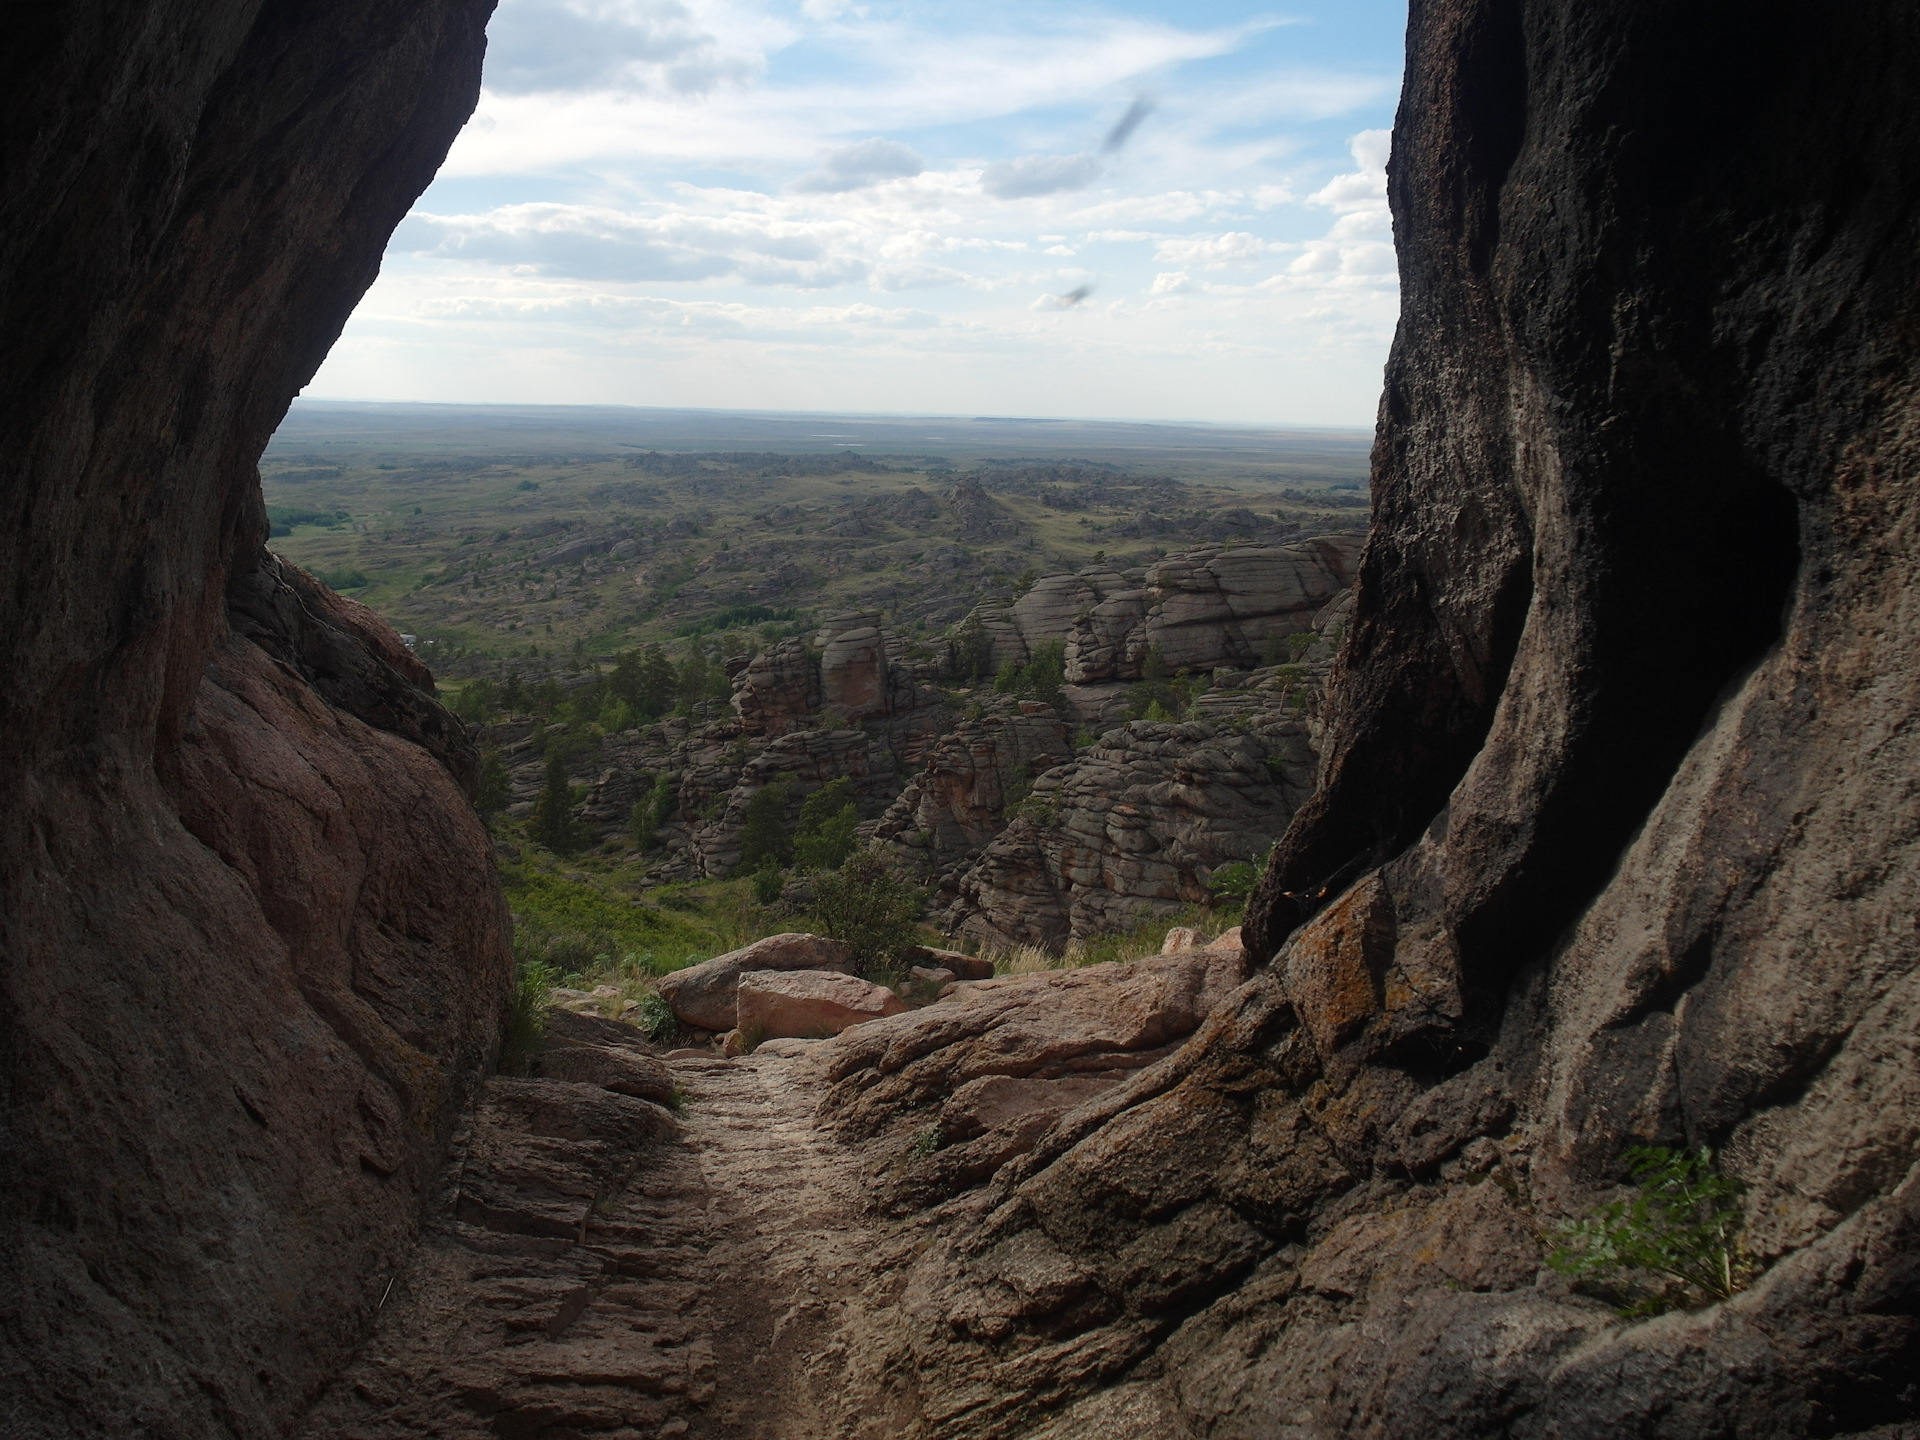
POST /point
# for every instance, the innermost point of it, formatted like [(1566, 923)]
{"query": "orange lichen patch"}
[(1334, 969)]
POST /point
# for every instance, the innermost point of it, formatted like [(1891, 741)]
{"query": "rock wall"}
[(1613, 840), (254, 951), (1212, 607)]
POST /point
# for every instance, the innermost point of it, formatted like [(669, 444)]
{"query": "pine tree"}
[(551, 823), (763, 829), (495, 789)]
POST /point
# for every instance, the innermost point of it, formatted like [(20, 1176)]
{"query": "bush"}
[(526, 1016), (763, 828), (495, 789), (655, 810), (1233, 882), (870, 910), (768, 881), (825, 835), (1674, 1243), (552, 823), (343, 579), (655, 1018), (1041, 678)]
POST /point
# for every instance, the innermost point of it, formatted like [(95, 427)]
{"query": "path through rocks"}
[(590, 1272)]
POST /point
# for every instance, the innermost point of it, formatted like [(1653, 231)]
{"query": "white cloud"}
[(1033, 175), (1236, 247), (1171, 282), (591, 243), (636, 45), (855, 167)]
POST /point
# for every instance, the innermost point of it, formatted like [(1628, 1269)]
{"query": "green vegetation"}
[(763, 826), (1673, 1243), (552, 823), (346, 579), (875, 913), (526, 1016), (494, 790), (281, 519), (1041, 678), (736, 617), (1159, 694), (1234, 882), (824, 837)]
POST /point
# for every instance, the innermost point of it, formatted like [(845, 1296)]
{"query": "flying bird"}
[(1127, 124), (1074, 296)]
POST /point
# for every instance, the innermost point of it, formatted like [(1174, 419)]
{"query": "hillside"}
[(497, 553)]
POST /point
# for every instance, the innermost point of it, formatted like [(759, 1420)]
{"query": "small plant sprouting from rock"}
[(655, 1018), (526, 1016), (924, 1144), (1673, 1243)]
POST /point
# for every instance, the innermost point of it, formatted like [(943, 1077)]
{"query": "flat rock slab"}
[(809, 1004), (702, 995)]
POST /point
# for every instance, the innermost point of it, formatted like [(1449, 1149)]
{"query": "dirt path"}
[(793, 1266), (584, 1277)]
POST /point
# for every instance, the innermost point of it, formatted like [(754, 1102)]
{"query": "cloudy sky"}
[(1121, 210)]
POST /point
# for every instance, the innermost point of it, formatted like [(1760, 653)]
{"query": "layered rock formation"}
[(1202, 609), (254, 950), (1134, 827), (1612, 842)]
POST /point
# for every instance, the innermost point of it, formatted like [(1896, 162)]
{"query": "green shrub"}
[(495, 789), (763, 828), (825, 835), (1233, 882), (526, 1016), (655, 1018), (872, 911), (343, 579), (1673, 1243), (768, 881)]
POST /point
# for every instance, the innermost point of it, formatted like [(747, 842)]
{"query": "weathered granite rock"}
[(255, 953), (618, 1068), (808, 1004), (703, 995), (993, 1066), (1132, 827), (977, 515), (1201, 609), (959, 800), (1613, 840), (779, 690)]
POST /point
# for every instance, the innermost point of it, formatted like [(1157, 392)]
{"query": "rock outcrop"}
[(703, 995), (1136, 825), (809, 1004), (1612, 842), (1202, 609), (255, 954)]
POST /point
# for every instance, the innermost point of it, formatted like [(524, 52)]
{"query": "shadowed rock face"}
[(253, 951), (1614, 836)]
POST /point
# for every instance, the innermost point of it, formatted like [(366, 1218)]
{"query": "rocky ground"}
[(743, 1247)]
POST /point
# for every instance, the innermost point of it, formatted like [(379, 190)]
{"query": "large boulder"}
[(703, 995), (809, 1004)]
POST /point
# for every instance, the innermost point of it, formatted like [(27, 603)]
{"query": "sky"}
[(1124, 210)]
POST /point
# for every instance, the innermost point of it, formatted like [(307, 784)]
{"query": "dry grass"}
[(1142, 940)]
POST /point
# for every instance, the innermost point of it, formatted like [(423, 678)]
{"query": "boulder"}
[(703, 995), (964, 967), (803, 1004), (620, 1070)]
